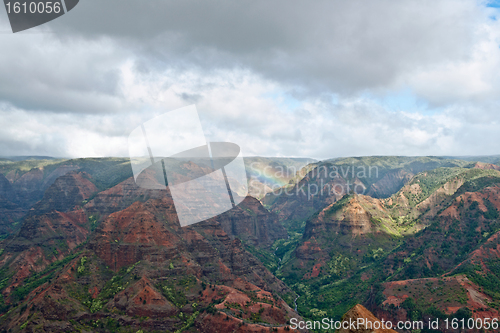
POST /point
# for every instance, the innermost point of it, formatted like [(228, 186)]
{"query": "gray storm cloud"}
[(343, 46)]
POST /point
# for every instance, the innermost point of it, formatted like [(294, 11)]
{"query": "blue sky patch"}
[(493, 4), (284, 100), (403, 100)]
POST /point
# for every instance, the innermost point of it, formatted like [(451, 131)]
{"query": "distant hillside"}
[(328, 181), (266, 174), (495, 159), (27, 158)]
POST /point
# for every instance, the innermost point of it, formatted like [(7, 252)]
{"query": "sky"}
[(317, 79)]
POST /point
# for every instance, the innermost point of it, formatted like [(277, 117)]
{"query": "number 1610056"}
[(33, 7)]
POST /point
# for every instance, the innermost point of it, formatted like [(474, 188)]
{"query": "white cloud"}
[(296, 79)]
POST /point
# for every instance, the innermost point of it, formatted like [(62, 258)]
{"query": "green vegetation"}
[(265, 256), (488, 279), (189, 322), (38, 279), (478, 179), (80, 288), (81, 268), (176, 292), (21, 167), (430, 181), (105, 172)]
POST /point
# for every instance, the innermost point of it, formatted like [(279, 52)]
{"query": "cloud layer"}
[(320, 79)]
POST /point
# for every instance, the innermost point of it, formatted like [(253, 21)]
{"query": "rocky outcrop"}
[(354, 215), (466, 293), (71, 228), (65, 193), (52, 229), (251, 222), (120, 197), (144, 300), (29, 187), (150, 231), (368, 322), (343, 237), (10, 215), (137, 233), (390, 183), (239, 305), (485, 166), (44, 239), (10, 212), (58, 218), (6, 190)]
